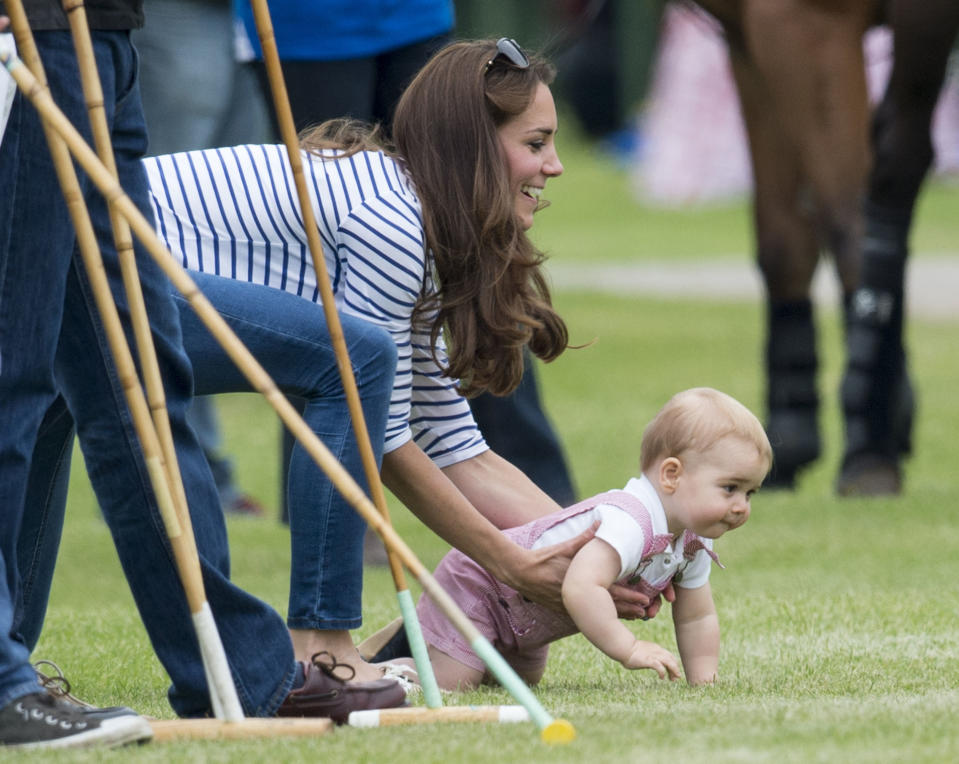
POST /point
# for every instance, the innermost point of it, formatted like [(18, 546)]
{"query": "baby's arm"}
[(588, 601), (697, 633)]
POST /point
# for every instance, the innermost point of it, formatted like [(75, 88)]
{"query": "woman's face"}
[(530, 149)]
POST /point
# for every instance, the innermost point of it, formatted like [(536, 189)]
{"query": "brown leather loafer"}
[(327, 695)]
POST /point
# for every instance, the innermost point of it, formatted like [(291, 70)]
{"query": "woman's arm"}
[(454, 502), (588, 601), (697, 633), (500, 492)]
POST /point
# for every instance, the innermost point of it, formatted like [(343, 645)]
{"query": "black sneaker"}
[(39, 720), (51, 679)]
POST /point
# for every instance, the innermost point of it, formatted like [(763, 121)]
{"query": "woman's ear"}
[(670, 470)]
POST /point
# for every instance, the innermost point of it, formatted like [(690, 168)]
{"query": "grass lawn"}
[(839, 617)]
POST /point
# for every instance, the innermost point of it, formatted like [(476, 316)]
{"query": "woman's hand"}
[(631, 604), (538, 573)]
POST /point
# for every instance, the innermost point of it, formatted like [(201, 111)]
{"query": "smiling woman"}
[(426, 242)]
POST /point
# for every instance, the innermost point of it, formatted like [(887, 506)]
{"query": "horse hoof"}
[(870, 475)]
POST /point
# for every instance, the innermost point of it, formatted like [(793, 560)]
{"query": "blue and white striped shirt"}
[(234, 212)]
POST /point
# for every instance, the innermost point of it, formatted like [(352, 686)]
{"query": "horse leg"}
[(877, 397), (787, 254)]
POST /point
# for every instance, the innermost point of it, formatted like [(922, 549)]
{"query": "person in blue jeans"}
[(52, 342)]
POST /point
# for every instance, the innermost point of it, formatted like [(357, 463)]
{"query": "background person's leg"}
[(394, 71), (321, 90)]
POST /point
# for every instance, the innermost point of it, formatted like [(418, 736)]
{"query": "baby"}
[(703, 457)]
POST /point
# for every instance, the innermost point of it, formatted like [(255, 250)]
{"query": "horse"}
[(818, 151)]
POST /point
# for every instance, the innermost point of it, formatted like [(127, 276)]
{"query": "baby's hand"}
[(649, 655)]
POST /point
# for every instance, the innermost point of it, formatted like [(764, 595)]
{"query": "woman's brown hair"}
[(492, 298)]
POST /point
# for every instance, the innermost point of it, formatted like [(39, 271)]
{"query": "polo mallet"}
[(551, 730), (222, 691), (284, 113)]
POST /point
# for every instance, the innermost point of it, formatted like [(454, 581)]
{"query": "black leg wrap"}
[(792, 398), (877, 397)]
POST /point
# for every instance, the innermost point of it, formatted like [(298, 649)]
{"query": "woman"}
[(427, 240)]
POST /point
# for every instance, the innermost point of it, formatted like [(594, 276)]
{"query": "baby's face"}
[(714, 490)]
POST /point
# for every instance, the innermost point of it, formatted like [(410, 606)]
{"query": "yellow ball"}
[(558, 731)]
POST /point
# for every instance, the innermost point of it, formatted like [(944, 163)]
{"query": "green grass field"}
[(840, 637)]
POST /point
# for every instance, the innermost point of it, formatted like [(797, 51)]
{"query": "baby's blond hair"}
[(694, 420)]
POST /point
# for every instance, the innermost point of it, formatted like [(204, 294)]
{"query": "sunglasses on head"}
[(508, 50)]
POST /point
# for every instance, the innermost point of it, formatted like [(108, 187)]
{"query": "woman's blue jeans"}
[(289, 337), (52, 340)]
